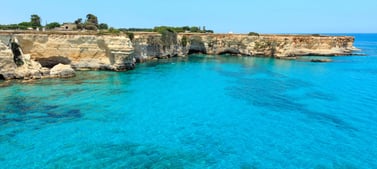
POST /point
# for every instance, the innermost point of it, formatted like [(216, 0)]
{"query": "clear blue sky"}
[(239, 16)]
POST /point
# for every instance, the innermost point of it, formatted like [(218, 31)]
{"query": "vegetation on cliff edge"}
[(35, 22), (253, 34), (91, 23), (159, 29)]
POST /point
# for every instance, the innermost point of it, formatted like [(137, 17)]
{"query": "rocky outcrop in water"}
[(61, 70)]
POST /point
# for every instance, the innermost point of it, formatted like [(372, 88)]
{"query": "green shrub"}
[(253, 34), (130, 35), (136, 29), (184, 41), (164, 29), (192, 29), (114, 31), (103, 26), (168, 38), (52, 25), (90, 27)]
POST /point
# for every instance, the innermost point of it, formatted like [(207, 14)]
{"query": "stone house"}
[(68, 27)]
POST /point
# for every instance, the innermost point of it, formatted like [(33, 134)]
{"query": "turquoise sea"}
[(198, 112)]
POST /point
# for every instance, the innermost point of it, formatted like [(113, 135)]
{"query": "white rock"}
[(61, 70)]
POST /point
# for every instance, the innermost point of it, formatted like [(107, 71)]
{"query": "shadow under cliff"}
[(50, 62)]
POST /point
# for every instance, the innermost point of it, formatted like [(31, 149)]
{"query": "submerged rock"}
[(287, 58), (61, 70), (320, 60)]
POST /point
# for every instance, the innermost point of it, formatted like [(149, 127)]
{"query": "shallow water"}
[(198, 112)]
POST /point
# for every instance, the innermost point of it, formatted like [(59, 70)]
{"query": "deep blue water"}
[(198, 112)]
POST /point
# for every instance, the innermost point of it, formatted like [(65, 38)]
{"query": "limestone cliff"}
[(7, 65), (80, 51), (44, 50), (152, 45), (276, 45), (14, 64)]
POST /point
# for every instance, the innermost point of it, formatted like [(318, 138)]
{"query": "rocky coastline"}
[(26, 55)]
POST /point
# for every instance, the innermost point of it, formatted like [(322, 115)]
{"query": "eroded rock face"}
[(7, 65), (118, 53), (9, 70), (275, 45), (29, 69), (151, 45), (81, 51)]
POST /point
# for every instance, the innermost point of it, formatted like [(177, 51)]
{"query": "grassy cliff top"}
[(10, 32)]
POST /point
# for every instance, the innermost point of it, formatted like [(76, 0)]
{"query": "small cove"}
[(198, 112)]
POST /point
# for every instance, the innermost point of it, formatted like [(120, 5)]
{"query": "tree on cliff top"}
[(91, 21), (90, 18), (35, 21), (52, 25), (103, 26), (78, 23)]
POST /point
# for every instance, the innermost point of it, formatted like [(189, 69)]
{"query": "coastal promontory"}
[(41, 51)]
